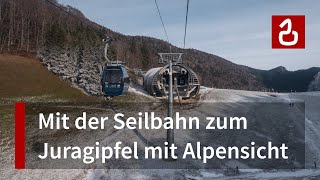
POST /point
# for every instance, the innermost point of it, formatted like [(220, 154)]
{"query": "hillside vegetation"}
[(71, 46), (27, 77)]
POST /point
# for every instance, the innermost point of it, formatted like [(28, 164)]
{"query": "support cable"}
[(186, 25), (164, 28)]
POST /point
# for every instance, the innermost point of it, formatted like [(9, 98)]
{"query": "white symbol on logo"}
[(287, 32)]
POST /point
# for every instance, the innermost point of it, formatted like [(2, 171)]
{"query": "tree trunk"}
[(22, 33), (28, 41), (42, 32), (36, 29), (10, 25), (0, 11)]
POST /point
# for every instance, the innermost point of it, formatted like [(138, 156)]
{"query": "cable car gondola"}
[(114, 76), (115, 80)]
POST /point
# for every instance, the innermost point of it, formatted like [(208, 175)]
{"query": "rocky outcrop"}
[(80, 66), (315, 84)]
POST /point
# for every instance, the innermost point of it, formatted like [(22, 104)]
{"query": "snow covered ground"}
[(138, 90), (312, 132)]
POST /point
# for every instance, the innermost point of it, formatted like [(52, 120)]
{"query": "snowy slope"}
[(206, 95)]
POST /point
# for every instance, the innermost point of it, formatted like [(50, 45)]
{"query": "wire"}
[(186, 25), (64, 10), (164, 28)]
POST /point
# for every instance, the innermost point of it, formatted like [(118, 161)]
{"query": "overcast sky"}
[(238, 30)]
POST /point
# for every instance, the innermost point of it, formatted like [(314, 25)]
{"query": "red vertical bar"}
[(20, 135)]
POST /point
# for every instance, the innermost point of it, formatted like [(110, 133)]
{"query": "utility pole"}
[(170, 58), (170, 132)]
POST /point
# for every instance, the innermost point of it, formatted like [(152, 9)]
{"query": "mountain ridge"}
[(71, 46)]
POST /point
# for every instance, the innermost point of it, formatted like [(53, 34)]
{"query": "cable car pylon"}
[(171, 58)]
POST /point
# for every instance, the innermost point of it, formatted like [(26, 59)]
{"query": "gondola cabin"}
[(115, 80)]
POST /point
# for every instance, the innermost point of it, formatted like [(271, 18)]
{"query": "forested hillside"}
[(30, 25), (71, 46), (280, 79)]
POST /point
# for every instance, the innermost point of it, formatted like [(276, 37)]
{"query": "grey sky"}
[(238, 30)]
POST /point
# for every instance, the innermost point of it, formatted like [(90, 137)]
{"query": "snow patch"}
[(138, 91)]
